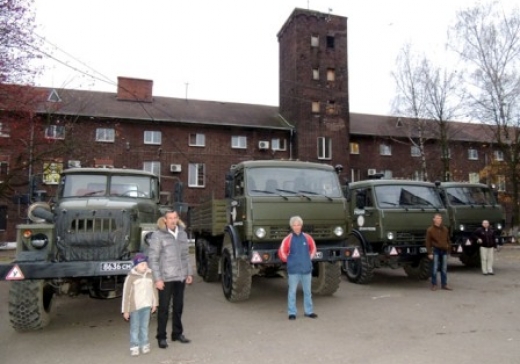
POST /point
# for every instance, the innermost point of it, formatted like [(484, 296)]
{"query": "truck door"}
[(365, 213)]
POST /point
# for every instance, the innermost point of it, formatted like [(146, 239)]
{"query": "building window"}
[(315, 41), (55, 132), (324, 148), (4, 168), (239, 142), (152, 137), (315, 107), (278, 144), (387, 174), (446, 154), (415, 151), (472, 154), (418, 176), (331, 74), (315, 74), (105, 135), (196, 175), (152, 167), (330, 109), (474, 178), (385, 149), (330, 41), (354, 148), (197, 140), (4, 131), (498, 155), (501, 183)]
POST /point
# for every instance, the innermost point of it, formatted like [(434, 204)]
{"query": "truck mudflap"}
[(17, 271), (328, 254)]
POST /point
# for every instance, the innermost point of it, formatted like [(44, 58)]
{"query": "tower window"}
[(330, 41), (331, 74), (315, 74), (315, 41)]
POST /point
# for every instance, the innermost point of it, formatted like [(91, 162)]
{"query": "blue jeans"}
[(440, 257), (294, 280), (139, 321)]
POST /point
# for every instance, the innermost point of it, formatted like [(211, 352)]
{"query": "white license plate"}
[(422, 249), (114, 266), (318, 255)]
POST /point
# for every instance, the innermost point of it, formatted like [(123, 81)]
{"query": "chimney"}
[(134, 89)]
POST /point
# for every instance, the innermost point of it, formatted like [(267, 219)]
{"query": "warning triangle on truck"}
[(15, 274), (459, 249), (393, 251), (356, 253)]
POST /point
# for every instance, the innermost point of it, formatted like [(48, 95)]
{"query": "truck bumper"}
[(328, 254), (17, 271), (404, 253)]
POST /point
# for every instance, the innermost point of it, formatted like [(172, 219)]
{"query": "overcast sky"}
[(226, 50)]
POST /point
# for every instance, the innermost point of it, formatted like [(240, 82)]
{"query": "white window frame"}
[(385, 149), (474, 177), (105, 135), (415, 151), (238, 142), (152, 167), (498, 155), (324, 148), (195, 179), (387, 174), (473, 154), (501, 183), (152, 137), (331, 74), (278, 144), (55, 131), (353, 148), (315, 107), (315, 41), (4, 131), (315, 74), (197, 140), (448, 156)]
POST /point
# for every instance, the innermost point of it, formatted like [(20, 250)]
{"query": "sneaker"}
[(146, 349), (434, 287), (134, 351)]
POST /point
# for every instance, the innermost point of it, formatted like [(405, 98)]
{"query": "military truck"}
[(389, 222), (468, 205), (82, 242), (238, 236)]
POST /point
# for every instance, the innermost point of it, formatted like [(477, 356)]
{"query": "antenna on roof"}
[(187, 83)]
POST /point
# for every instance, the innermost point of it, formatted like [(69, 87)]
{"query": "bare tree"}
[(489, 44)]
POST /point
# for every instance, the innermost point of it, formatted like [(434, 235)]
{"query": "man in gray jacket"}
[(170, 263)]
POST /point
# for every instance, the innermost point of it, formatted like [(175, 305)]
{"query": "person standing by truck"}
[(438, 247), (297, 250), (485, 237), (171, 268)]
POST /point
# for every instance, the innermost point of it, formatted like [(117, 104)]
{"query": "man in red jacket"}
[(298, 249)]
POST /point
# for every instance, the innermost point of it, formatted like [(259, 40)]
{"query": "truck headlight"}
[(390, 235), (338, 231), (39, 241), (499, 226), (260, 233), (461, 227)]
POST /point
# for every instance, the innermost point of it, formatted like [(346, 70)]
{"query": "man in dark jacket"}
[(485, 237), (438, 246), (170, 263)]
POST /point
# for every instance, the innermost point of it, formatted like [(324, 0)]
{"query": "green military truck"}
[(238, 237), (82, 242), (389, 222), (468, 205)]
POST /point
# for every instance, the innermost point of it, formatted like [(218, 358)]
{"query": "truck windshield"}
[(87, 185), (404, 196), (287, 181), (470, 196)]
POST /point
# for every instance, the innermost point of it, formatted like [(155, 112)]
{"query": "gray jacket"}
[(169, 258)]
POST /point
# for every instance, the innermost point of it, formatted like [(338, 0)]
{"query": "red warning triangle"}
[(355, 254), (15, 274), (459, 249), (468, 242), (393, 251)]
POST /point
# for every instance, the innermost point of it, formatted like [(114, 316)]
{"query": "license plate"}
[(318, 255), (115, 266), (422, 249)]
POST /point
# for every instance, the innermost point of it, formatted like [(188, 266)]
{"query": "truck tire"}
[(422, 269), (207, 264), (472, 260), (360, 271), (325, 278), (30, 305), (236, 277)]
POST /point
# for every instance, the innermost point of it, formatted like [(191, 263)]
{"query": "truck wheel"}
[(472, 260), (207, 265), (360, 270), (325, 278), (236, 277), (422, 269), (30, 304)]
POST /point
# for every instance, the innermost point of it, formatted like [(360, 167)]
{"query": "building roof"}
[(165, 109)]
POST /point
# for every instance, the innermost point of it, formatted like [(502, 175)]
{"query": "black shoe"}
[(181, 338), (485, 274), (292, 317), (311, 315), (162, 343), (491, 273)]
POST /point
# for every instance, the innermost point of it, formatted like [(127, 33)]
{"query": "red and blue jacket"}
[(297, 250)]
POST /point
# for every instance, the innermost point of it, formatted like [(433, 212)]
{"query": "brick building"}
[(194, 142)]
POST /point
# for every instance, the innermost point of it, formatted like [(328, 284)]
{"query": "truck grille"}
[(411, 237), (317, 231)]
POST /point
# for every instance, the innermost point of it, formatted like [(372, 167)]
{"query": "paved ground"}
[(393, 320)]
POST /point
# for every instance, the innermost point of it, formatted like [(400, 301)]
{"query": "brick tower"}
[(314, 85)]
